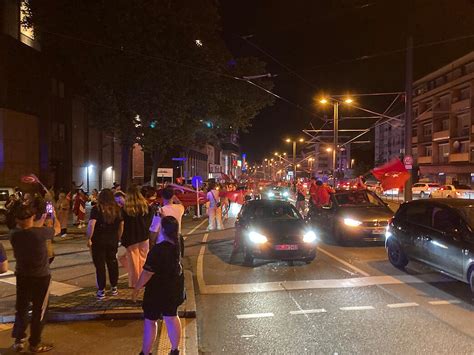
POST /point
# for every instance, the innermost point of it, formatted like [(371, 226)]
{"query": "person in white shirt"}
[(215, 208), (172, 206)]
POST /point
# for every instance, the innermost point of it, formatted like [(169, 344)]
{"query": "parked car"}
[(424, 189), (274, 230), (438, 232), (453, 191), (353, 215), (5, 193)]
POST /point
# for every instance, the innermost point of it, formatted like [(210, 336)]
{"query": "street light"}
[(289, 140)]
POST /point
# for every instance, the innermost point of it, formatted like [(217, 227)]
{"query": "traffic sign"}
[(408, 160), (196, 181)]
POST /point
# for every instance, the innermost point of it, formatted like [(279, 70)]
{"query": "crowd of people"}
[(149, 233)]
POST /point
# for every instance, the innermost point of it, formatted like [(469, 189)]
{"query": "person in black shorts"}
[(163, 279)]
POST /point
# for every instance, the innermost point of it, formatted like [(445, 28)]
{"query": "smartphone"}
[(49, 209)]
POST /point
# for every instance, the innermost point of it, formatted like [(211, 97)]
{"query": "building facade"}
[(443, 126), (389, 141)]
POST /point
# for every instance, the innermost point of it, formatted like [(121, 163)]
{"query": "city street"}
[(349, 300)]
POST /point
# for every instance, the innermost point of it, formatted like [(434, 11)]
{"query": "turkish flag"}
[(391, 175)]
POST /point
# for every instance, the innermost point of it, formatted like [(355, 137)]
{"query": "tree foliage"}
[(140, 59)]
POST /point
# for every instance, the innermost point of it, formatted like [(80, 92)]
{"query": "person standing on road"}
[(215, 208), (80, 199), (163, 279), (104, 231), (62, 208), (135, 234), (300, 198), (33, 276), (172, 206)]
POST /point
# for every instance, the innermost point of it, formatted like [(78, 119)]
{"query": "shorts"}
[(155, 312)]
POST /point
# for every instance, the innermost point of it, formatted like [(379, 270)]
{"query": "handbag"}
[(218, 204)]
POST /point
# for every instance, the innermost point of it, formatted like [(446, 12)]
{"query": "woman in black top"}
[(104, 231), (163, 279), (135, 233)]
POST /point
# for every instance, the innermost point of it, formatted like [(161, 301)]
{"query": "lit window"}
[(24, 29)]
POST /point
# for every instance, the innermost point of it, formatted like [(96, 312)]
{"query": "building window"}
[(464, 147), (25, 30), (463, 124), (444, 103), (440, 81), (443, 150), (415, 131), (428, 151), (427, 130), (414, 152), (464, 93), (445, 124), (469, 68)]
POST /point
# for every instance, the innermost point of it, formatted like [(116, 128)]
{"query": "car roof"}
[(451, 202), (267, 202)]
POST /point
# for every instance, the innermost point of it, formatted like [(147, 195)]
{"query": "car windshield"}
[(468, 214), (358, 199), (276, 211), (462, 187)]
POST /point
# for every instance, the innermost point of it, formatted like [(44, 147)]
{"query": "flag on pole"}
[(391, 175), (32, 179)]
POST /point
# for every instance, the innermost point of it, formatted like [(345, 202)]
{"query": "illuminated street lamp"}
[(289, 140)]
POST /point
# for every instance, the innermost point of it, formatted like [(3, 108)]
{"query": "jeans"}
[(34, 291), (215, 217), (105, 255)]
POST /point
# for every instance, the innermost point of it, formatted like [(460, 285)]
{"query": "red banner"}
[(391, 175)]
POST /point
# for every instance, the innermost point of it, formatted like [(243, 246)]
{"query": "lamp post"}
[(289, 140)]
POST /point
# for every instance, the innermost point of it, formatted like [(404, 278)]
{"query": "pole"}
[(197, 200), (87, 170), (294, 161), (336, 139), (407, 192)]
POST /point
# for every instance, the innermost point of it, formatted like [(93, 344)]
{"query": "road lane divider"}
[(443, 302), (254, 315), (402, 305), (308, 311), (199, 266), (357, 308), (195, 228), (343, 262)]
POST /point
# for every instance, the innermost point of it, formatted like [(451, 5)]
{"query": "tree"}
[(141, 60)]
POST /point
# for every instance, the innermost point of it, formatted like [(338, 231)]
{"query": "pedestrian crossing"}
[(57, 288)]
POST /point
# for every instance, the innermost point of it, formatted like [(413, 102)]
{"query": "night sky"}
[(323, 42)]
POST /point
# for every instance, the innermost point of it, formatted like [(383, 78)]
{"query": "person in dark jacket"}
[(163, 279), (135, 233)]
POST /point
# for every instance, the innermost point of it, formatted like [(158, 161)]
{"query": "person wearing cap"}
[(33, 276)]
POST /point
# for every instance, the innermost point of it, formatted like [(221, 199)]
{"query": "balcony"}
[(425, 160), (414, 139), (437, 136), (458, 157), (460, 105)]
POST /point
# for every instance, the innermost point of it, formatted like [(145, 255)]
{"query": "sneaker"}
[(63, 235), (174, 352), (100, 294), (19, 345), (114, 291), (40, 348)]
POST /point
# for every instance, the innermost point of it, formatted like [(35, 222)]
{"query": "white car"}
[(424, 189), (392, 192), (453, 191)]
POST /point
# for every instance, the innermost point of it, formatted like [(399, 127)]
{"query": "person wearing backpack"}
[(163, 279)]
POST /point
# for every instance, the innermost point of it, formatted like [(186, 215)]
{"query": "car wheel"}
[(3, 217), (396, 255), (248, 258), (470, 278)]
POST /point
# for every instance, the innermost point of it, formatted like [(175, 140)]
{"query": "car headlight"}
[(286, 194), (352, 222), (271, 194), (257, 238), (309, 237)]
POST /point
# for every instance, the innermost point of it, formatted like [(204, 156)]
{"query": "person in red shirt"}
[(313, 188)]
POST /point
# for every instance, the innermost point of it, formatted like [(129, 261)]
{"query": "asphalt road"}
[(349, 300)]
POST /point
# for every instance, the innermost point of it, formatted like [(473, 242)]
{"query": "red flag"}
[(29, 179), (392, 174)]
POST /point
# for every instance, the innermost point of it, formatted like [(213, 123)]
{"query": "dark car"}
[(436, 232), (274, 230), (352, 215)]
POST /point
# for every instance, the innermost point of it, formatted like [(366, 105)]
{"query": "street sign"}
[(408, 160), (164, 172), (196, 181), (179, 159)]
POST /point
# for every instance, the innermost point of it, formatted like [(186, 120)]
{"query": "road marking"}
[(195, 228), (444, 302), (254, 315), (343, 262), (200, 267), (247, 336), (57, 288), (356, 308), (310, 284), (402, 305), (308, 311)]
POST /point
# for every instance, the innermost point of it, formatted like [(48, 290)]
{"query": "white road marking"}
[(200, 267), (308, 311), (195, 228), (57, 288), (402, 305), (444, 302), (254, 315), (343, 262), (309, 284), (356, 308), (247, 336)]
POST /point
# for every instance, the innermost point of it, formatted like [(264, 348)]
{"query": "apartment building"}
[(389, 141), (443, 127)]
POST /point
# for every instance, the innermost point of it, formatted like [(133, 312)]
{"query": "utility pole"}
[(294, 161), (407, 192), (336, 139)]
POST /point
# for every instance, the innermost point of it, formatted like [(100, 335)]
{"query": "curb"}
[(186, 310)]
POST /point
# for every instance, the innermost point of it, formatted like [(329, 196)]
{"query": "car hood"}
[(366, 213), (274, 228)]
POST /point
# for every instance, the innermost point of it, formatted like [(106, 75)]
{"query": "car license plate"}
[(286, 247), (379, 231)]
